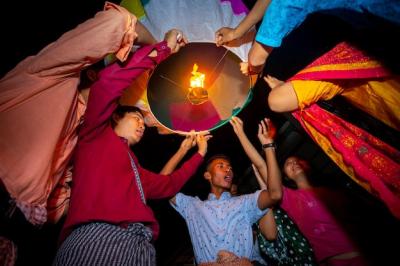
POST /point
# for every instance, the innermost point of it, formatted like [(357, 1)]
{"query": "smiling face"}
[(220, 175), (130, 126), (295, 167)]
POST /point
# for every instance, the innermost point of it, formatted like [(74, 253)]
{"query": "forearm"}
[(170, 166), (113, 80), (162, 186), (254, 16), (116, 77), (253, 155), (261, 182), (258, 54), (274, 180), (144, 35), (87, 43)]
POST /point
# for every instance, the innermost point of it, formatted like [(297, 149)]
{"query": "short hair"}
[(215, 157), (122, 110)]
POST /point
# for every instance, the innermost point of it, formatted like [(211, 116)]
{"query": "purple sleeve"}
[(113, 80), (158, 186)]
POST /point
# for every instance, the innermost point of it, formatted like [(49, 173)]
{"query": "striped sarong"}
[(107, 244)]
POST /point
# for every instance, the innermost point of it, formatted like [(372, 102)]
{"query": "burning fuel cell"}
[(197, 94)]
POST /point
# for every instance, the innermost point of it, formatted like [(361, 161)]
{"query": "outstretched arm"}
[(186, 145), (260, 179), (248, 147), (225, 35), (110, 31), (202, 144), (267, 223), (273, 195), (115, 78)]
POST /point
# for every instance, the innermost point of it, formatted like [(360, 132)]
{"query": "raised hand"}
[(237, 125), (244, 68), (188, 142), (224, 35), (266, 131), (175, 40), (201, 140)]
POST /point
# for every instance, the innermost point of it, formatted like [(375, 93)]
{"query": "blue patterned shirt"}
[(220, 224)]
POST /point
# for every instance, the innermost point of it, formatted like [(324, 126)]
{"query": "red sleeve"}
[(158, 186), (106, 91)]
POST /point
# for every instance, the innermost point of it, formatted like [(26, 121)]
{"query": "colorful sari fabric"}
[(370, 162), (346, 71), (290, 247)]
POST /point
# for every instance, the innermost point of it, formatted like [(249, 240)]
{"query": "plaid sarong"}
[(107, 244)]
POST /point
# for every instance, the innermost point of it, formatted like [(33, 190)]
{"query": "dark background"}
[(32, 25)]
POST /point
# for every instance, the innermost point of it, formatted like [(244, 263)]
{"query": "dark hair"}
[(215, 157), (287, 182), (122, 110)]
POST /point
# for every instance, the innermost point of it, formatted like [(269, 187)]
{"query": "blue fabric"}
[(220, 224), (283, 16)]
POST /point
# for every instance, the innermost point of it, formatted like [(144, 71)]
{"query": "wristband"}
[(269, 145)]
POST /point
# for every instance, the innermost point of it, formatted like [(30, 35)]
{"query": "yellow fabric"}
[(379, 98), (311, 91), (135, 7)]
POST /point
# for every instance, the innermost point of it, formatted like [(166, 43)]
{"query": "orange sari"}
[(370, 162)]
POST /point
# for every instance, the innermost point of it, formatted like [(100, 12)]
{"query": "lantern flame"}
[(197, 78), (197, 94)]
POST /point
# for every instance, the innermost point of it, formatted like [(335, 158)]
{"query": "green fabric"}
[(290, 246)]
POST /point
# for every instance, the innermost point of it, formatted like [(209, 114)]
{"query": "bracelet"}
[(269, 145)]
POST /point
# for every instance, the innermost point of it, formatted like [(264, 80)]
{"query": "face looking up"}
[(219, 173), (131, 127), (294, 167)]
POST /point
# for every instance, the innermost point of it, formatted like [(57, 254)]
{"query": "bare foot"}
[(273, 82)]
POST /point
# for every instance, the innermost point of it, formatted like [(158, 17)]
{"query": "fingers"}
[(175, 40), (264, 128), (244, 68)]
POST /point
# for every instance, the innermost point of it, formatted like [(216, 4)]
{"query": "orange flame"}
[(197, 78)]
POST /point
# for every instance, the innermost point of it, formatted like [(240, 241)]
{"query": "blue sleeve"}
[(250, 204), (280, 19), (182, 204)]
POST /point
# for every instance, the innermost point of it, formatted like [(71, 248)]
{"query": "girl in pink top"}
[(309, 208)]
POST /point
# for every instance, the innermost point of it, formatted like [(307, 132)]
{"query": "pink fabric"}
[(372, 160), (356, 261), (186, 116), (104, 186), (311, 209), (39, 107), (238, 6), (343, 62)]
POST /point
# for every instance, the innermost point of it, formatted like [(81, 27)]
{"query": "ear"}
[(207, 175), (116, 118)]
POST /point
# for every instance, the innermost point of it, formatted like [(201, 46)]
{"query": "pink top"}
[(40, 110), (308, 209), (104, 187)]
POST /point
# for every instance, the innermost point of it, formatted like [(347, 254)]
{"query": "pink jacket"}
[(40, 108)]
